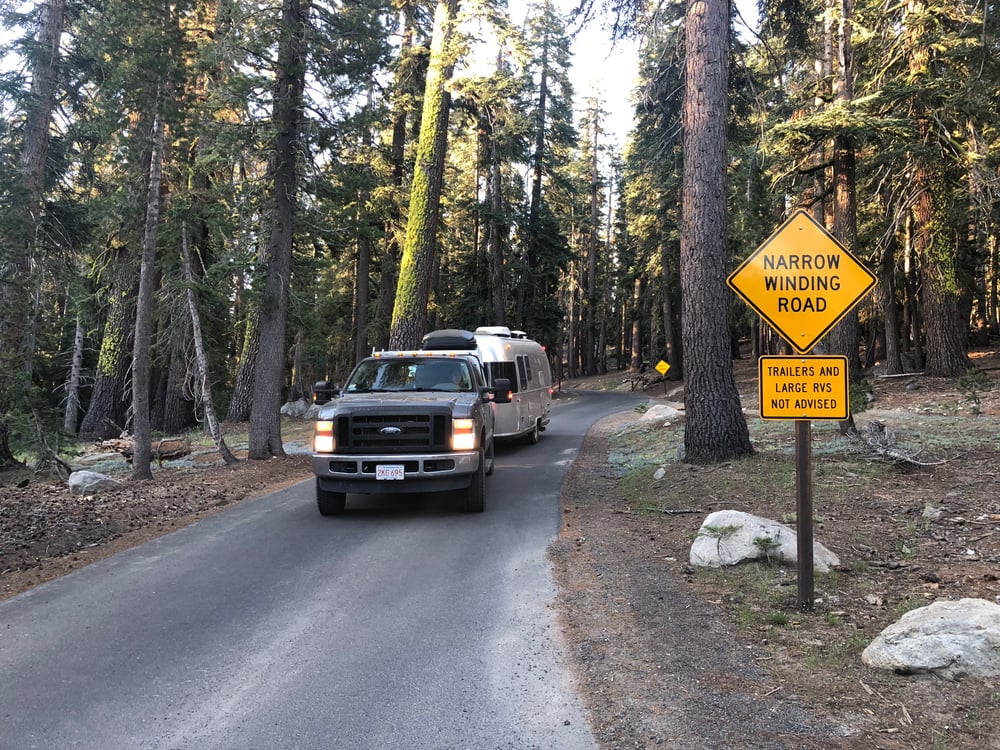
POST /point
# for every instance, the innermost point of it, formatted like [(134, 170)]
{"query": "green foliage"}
[(859, 395), (972, 384), (768, 546), (209, 67)]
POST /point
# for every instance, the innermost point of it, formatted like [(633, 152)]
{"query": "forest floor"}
[(670, 656), (677, 657)]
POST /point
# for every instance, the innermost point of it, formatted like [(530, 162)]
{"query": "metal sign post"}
[(802, 282), (804, 511)]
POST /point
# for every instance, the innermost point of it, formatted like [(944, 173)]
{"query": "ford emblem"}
[(390, 431)]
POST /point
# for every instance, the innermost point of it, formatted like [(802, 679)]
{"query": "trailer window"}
[(527, 369), (504, 370)]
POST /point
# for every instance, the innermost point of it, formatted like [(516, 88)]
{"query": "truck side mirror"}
[(501, 391), (323, 391)]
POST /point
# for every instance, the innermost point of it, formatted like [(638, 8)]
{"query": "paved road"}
[(404, 624)]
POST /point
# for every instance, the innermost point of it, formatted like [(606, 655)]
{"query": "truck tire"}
[(491, 458), (330, 503), (475, 494)]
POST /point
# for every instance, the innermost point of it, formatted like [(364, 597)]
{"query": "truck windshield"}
[(381, 375)]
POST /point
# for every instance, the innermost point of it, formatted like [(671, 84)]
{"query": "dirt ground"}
[(670, 656), (675, 657)]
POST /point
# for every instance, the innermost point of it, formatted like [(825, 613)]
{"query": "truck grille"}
[(393, 433)]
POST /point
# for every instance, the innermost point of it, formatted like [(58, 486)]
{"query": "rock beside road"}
[(729, 537), (953, 639), (91, 482)]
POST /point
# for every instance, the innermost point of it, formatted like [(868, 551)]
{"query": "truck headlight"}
[(463, 434), (323, 439)]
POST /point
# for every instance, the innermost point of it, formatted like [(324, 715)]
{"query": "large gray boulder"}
[(295, 408), (663, 413), (953, 639), (729, 537), (91, 482)]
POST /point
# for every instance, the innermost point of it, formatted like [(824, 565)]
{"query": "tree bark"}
[(715, 429), (107, 413), (845, 336), (886, 291), (674, 358), (144, 310), (16, 275), (934, 238), (265, 412), (201, 358), (362, 270), (409, 315), (528, 288), (635, 359), (590, 305), (495, 226), (71, 412)]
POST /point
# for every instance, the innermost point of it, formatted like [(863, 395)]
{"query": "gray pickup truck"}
[(408, 422)]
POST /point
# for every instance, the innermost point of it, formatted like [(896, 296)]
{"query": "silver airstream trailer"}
[(511, 355)]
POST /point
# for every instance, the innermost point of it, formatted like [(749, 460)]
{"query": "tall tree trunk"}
[(176, 410), (265, 412), (362, 270), (635, 360), (934, 237), (71, 413), (403, 94), (144, 309), (409, 315), (887, 302), (201, 359), (241, 400), (495, 226), (16, 272), (669, 333), (107, 412), (528, 288), (715, 429), (590, 303), (845, 338)]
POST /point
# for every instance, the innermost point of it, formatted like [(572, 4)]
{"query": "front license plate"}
[(389, 471)]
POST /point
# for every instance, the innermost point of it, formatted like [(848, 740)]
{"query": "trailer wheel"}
[(533, 436)]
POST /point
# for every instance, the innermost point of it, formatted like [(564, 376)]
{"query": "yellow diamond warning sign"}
[(803, 387), (801, 281)]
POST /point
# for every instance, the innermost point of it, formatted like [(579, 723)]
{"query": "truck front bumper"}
[(431, 472)]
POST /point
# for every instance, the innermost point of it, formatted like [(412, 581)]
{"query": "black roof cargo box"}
[(449, 338)]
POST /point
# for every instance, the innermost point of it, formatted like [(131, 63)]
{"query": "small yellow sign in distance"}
[(804, 387), (662, 367), (801, 281)]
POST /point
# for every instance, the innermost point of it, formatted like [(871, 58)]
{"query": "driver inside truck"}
[(443, 376)]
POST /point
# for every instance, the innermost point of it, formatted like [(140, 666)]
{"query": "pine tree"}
[(18, 272), (409, 315), (715, 428), (265, 418)]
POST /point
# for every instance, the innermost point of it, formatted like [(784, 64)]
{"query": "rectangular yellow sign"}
[(803, 387)]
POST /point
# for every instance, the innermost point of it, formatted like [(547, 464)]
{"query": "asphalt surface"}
[(406, 623)]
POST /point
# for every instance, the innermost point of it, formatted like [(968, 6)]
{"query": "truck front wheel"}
[(475, 495), (330, 503), (491, 459)]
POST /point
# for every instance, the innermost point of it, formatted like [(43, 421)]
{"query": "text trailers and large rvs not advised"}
[(426, 420)]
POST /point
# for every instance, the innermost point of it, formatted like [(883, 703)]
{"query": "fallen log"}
[(162, 449)]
